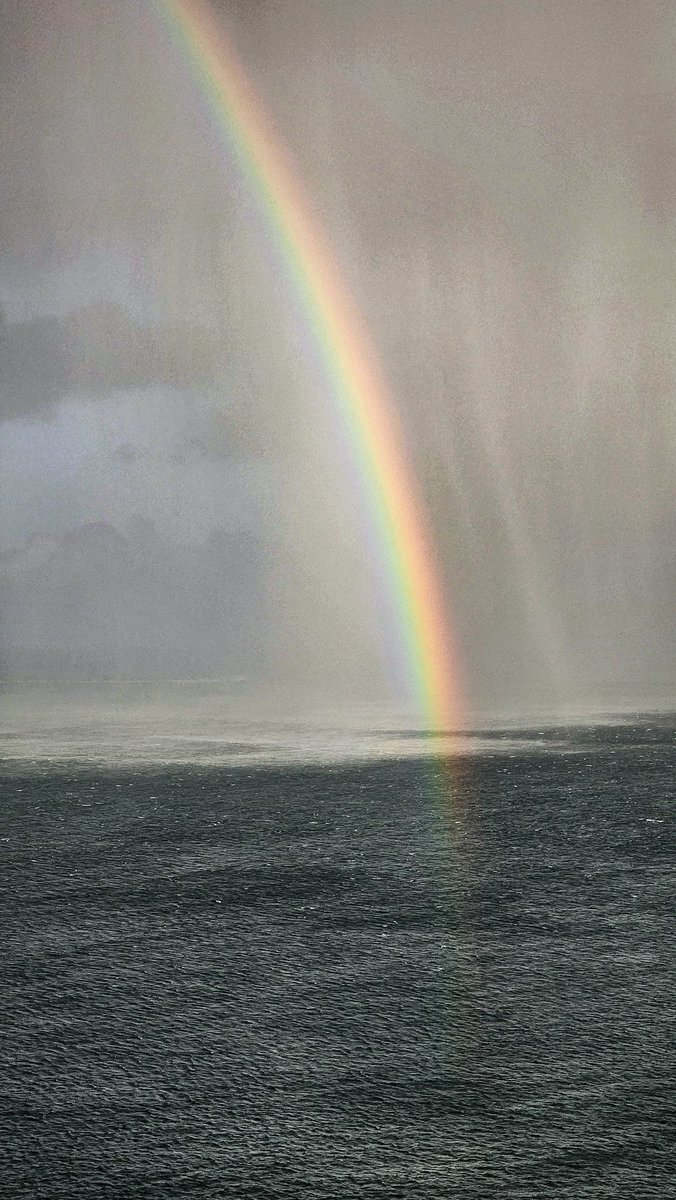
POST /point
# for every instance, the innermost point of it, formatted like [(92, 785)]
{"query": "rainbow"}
[(366, 410)]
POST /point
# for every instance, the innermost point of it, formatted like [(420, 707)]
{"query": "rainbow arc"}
[(365, 407)]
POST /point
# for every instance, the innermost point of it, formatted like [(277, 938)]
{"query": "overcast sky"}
[(498, 178)]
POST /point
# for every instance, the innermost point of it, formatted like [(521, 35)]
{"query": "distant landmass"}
[(100, 603)]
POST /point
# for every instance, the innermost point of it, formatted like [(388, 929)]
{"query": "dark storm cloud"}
[(128, 454), (215, 434), (97, 352)]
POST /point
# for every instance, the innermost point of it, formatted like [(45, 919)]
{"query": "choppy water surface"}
[(345, 979)]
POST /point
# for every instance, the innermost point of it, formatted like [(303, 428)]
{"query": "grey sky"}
[(498, 179)]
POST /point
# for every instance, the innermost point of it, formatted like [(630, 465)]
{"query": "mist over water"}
[(202, 723), (498, 184)]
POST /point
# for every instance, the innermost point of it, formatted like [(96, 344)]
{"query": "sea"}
[(274, 961)]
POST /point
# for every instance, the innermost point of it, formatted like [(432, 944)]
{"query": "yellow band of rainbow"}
[(358, 390)]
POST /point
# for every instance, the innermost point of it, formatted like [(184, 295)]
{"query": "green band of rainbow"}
[(364, 405)]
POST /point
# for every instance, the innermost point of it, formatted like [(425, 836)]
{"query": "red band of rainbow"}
[(358, 390)]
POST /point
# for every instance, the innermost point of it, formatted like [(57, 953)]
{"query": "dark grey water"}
[(329, 982)]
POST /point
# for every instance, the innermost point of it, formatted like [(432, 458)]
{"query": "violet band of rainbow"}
[(365, 408)]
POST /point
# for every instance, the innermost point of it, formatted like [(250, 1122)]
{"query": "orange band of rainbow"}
[(365, 407)]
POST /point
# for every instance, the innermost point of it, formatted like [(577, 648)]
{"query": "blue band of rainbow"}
[(365, 408)]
